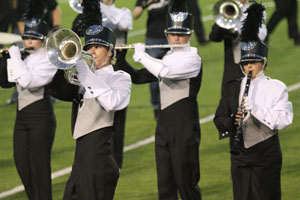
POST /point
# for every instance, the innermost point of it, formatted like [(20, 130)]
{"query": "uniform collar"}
[(105, 70)]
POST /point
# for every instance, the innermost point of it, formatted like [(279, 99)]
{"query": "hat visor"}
[(179, 31), (32, 35)]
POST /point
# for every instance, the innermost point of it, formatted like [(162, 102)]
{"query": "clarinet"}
[(238, 135)]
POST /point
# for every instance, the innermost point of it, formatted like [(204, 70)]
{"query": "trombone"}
[(64, 50), (227, 14)]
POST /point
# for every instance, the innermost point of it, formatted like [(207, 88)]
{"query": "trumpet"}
[(161, 46), (227, 13), (64, 50)]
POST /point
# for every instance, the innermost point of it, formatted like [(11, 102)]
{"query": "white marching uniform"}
[(177, 137), (119, 20), (95, 172), (256, 169), (268, 101), (35, 121)]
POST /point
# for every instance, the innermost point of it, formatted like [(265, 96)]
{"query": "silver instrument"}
[(227, 14), (161, 46), (76, 5), (21, 49), (64, 50)]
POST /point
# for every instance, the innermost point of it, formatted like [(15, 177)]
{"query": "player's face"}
[(243, 1), (34, 43), (107, 2), (178, 38), (255, 67), (99, 54)]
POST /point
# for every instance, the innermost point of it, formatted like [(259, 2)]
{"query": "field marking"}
[(127, 148)]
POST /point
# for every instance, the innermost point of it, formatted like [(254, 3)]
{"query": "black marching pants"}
[(288, 9), (256, 171), (33, 139), (95, 172), (177, 163)]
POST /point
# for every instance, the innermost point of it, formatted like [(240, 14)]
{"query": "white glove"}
[(82, 67), (139, 51), (14, 52), (248, 104)]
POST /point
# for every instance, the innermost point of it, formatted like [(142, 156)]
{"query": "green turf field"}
[(138, 176)]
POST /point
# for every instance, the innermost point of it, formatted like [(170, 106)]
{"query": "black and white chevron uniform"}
[(94, 171), (177, 137), (119, 20), (35, 121), (256, 170)]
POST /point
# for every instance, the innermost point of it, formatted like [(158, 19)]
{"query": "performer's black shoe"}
[(203, 41), (297, 41)]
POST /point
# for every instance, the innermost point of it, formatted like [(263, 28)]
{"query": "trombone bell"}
[(63, 48), (76, 5), (227, 13)]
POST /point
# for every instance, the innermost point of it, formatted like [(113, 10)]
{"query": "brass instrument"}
[(64, 50), (76, 5), (227, 14)]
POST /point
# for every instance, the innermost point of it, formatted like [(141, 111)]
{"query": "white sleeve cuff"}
[(15, 69), (153, 65), (94, 85)]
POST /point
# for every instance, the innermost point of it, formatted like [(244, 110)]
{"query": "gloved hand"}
[(139, 50), (82, 67), (14, 52)]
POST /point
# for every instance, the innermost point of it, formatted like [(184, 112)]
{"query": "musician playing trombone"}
[(177, 136), (35, 122), (99, 94), (221, 31), (264, 109)]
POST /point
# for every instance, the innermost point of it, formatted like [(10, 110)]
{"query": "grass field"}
[(138, 176)]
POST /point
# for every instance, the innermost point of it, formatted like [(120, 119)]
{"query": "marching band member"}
[(119, 20), (177, 137), (231, 40), (94, 172), (156, 24), (35, 120), (256, 160)]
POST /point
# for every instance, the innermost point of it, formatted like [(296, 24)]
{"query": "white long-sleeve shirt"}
[(32, 73), (110, 88), (269, 98), (119, 20), (177, 64)]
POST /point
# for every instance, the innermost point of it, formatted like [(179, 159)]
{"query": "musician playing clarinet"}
[(177, 136), (35, 122), (257, 107)]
